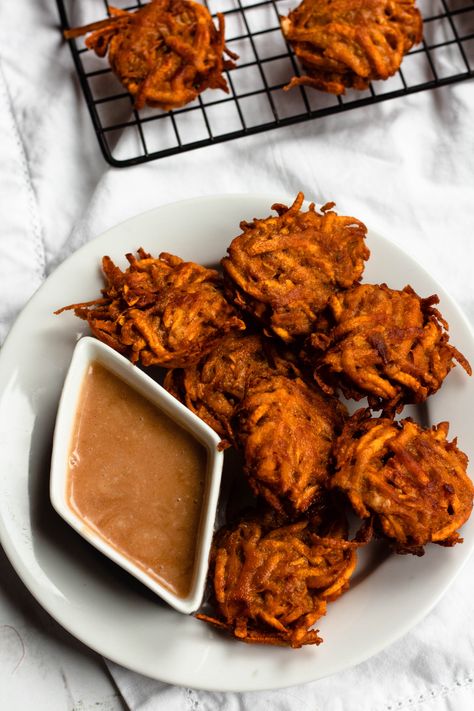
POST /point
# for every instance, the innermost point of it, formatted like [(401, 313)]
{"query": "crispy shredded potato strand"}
[(286, 430), (282, 270), (412, 479), (349, 43), (390, 345), (272, 584), (214, 387), (159, 311), (165, 53)]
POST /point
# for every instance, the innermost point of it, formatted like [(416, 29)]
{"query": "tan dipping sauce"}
[(137, 478)]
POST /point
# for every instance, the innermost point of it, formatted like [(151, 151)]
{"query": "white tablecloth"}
[(405, 167)]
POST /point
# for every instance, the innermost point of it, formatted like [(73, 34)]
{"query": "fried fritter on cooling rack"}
[(389, 345), (159, 311), (165, 53), (411, 479), (283, 269), (272, 582), (349, 43), (286, 430), (214, 387)]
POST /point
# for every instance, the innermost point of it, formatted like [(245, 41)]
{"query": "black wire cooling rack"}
[(256, 101)]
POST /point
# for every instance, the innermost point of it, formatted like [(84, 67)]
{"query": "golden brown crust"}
[(160, 311), (286, 430), (165, 53), (348, 43), (283, 269), (271, 584), (390, 345), (411, 479), (214, 387)]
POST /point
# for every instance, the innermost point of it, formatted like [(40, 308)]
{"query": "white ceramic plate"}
[(99, 603)]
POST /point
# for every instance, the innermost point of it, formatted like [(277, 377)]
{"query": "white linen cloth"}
[(405, 167)]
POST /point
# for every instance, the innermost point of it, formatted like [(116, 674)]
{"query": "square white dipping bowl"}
[(89, 350)]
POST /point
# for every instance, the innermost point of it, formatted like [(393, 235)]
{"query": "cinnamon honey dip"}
[(137, 478)]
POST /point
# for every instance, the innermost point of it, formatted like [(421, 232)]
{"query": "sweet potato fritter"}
[(165, 53), (390, 345), (349, 43), (283, 269), (286, 430), (214, 387), (411, 479), (272, 584), (159, 311)]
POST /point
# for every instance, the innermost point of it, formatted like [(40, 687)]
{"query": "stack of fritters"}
[(349, 43), (260, 360), (165, 53)]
